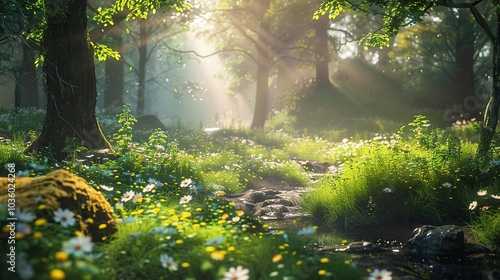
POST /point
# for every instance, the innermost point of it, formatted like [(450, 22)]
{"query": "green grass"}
[(432, 178)]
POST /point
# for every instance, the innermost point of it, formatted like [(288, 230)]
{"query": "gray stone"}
[(441, 243)]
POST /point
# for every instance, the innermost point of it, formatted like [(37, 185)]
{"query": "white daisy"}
[(64, 217), (495, 196), (25, 216), (78, 246), (168, 262), (447, 185), (238, 273), (148, 188), (128, 196), (473, 205), (106, 188), (482, 192), (380, 275), (185, 199), (387, 190), (186, 182)]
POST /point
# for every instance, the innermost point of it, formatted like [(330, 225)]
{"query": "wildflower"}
[(219, 193), (168, 262), (238, 273), (495, 196), (473, 205), (215, 241), (40, 222), (322, 272), (137, 198), (380, 275), (64, 217), (186, 182), (78, 246), (447, 185), (482, 192), (185, 199), (61, 256), (160, 148), (106, 188), (218, 255), (235, 219), (306, 231), (128, 196), (25, 216), (57, 274), (387, 190), (131, 145), (484, 208), (277, 258)]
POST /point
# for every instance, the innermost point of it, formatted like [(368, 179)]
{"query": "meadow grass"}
[(174, 223)]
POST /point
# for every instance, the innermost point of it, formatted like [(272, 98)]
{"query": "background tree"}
[(70, 73), (398, 14)]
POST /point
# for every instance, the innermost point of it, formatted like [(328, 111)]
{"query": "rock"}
[(442, 243), (314, 166), (61, 189)]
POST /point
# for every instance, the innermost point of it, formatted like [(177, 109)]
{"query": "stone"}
[(441, 243), (61, 189)]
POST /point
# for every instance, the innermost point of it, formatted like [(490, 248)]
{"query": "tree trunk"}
[(143, 59), (115, 73), (464, 61), (492, 109), (26, 92), (260, 111), (321, 52), (71, 82)]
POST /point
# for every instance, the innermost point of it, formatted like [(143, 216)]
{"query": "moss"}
[(61, 189)]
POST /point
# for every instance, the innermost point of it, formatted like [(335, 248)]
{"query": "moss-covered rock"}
[(61, 189)]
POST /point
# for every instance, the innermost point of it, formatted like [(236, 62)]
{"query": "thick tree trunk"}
[(321, 48), (260, 111), (464, 61), (492, 109), (143, 59), (115, 73), (71, 82), (26, 92)]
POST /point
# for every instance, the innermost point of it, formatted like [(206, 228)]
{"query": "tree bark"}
[(26, 91), (464, 61), (143, 59), (492, 109), (260, 111), (322, 56), (71, 82), (115, 73)]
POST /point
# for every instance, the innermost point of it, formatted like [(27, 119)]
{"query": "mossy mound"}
[(61, 189)]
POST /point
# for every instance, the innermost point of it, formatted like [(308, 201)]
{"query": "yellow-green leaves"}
[(102, 52)]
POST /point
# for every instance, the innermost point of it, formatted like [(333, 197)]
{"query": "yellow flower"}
[(42, 206), (224, 216), (198, 209), (19, 235), (322, 272), (220, 222), (299, 263), (79, 233), (203, 224), (61, 256), (185, 264), (240, 212), (324, 260), (89, 221), (277, 258), (179, 241), (40, 222), (186, 214), (37, 235), (171, 211), (218, 255), (57, 274), (209, 249), (103, 226), (231, 248)]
